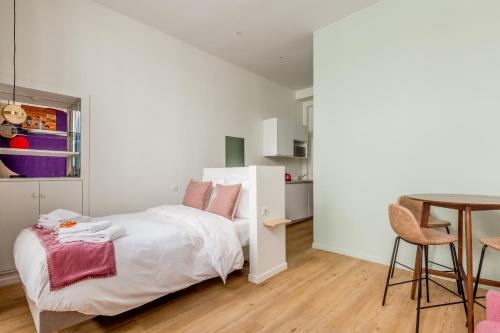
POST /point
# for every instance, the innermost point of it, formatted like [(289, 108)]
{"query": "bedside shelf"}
[(37, 152), (275, 223)]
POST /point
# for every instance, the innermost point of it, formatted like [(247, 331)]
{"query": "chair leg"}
[(427, 271), (398, 239), (391, 267), (479, 270), (454, 257), (456, 271), (419, 295), (447, 230)]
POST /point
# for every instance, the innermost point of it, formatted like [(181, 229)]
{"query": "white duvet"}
[(166, 249)]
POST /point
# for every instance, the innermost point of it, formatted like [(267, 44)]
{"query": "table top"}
[(477, 202)]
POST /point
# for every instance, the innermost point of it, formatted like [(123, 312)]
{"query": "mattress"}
[(242, 229)]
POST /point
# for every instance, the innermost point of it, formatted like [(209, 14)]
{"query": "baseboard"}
[(350, 253), (358, 255), (266, 275), (9, 278)]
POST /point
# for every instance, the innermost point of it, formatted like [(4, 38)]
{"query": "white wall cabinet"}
[(61, 194), (19, 208), (279, 135), (21, 201), (299, 201)]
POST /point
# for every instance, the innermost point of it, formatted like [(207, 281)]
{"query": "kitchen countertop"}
[(299, 181)]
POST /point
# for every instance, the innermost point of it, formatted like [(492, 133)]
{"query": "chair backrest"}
[(416, 207), (404, 223)]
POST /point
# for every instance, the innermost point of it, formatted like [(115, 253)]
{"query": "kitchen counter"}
[(299, 181)]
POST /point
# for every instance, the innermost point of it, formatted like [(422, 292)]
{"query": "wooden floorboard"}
[(320, 292)]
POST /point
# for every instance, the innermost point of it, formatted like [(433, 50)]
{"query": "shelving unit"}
[(50, 174), (37, 152), (41, 131), (63, 140)]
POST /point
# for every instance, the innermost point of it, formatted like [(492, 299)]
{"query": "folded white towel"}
[(60, 215), (102, 236), (46, 223), (54, 218), (89, 227)]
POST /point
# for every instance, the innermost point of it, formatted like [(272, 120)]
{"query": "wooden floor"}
[(320, 292)]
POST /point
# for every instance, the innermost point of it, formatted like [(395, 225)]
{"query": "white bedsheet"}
[(242, 226), (166, 249)]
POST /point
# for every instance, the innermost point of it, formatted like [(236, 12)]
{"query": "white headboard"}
[(267, 202)]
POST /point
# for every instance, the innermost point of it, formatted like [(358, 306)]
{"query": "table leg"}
[(424, 220), (470, 276), (460, 236)]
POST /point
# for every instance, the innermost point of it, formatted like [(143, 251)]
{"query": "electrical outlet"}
[(265, 211), (175, 188)]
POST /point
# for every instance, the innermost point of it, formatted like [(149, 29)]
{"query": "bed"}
[(166, 249)]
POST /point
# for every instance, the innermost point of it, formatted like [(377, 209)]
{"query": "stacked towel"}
[(54, 218), (88, 227), (101, 236)]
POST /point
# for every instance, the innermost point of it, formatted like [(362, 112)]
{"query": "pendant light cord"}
[(14, 60)]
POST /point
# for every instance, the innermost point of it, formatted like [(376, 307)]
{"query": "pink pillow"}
[(225, 201), (197, 194)]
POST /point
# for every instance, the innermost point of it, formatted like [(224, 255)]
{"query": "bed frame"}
[(266, 251)]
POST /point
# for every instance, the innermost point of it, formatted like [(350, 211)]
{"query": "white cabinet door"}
[(310, 201), (18, 208), (65, 194), (300, 133), (296, 201), (286, 132)]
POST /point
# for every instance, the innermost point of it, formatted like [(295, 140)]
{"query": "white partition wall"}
[(266, 185), (267, 202)]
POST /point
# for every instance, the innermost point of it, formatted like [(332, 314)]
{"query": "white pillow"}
[(214, 184), (243, 208)]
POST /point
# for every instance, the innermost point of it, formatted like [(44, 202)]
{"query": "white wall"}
[(159, 108), (406, 101)]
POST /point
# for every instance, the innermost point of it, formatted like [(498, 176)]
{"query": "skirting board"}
[(264, 276), (9, 278), (357, 255), (350, 253)]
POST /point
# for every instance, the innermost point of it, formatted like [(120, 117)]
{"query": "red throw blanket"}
[(73, 262)]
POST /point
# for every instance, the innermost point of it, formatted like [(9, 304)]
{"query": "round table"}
[(462, 203)]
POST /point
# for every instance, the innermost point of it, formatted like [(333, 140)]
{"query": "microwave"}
[(299, 150)]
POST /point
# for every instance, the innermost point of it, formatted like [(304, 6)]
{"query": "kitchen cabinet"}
[(281, 135), (299, 200)]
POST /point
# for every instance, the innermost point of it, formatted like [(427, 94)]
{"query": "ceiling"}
[(272, 38)]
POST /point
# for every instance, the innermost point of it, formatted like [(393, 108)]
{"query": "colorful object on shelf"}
[(40, 166), (14, 114), (2, 119), (40, 118), (19, 142), (288, 177), (8, 131)]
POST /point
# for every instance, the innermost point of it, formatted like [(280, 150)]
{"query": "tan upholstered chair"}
[(406, 226), (494, 243), (416, 207)]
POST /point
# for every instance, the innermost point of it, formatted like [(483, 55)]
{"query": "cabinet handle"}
[(42, 196), (34, 196)]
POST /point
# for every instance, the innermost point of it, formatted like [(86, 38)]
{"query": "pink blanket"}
[(73, 262)]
